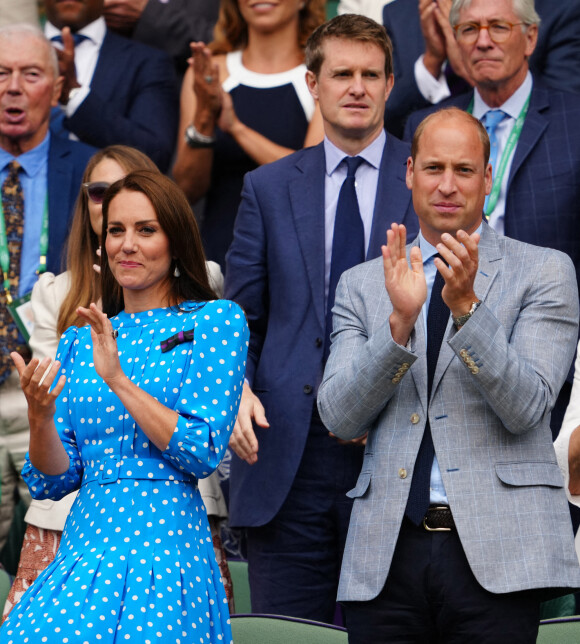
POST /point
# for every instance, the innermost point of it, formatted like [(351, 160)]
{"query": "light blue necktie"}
[(491, 119)]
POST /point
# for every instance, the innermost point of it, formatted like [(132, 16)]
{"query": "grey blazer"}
[(495, 383)]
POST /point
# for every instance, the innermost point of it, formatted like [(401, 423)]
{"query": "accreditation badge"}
[(21, 311)]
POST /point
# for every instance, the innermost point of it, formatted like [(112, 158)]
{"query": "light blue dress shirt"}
[(438, 496), (512, 107), (34, 177), (367, 178)]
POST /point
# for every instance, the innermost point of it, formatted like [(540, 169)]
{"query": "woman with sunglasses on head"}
[(139, 405), (244, 102), (55, 300)]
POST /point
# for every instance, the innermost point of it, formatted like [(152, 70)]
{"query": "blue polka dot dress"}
[(136, 561)]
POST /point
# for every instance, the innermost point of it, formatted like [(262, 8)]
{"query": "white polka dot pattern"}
[(136, 560)]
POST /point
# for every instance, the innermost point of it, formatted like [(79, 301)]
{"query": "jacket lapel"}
[(306, 190), (393, 196), (533, 129), (489, 254)]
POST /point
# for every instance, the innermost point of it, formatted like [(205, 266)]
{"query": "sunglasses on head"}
[(96, 190)]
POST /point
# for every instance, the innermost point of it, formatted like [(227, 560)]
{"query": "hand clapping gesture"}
[(405, 283), (104, 337)]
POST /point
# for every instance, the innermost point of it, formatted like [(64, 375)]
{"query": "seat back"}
[(564, 630), (241, 583), (276, 629)]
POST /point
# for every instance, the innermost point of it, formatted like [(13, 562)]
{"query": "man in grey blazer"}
[(460, 524)]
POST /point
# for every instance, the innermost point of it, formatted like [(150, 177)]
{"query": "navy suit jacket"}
[(133, 100), (543, 191), (275, 271), (66, 164), (556, 57)]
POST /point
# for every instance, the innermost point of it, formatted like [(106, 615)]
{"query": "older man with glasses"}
[(534, 131)]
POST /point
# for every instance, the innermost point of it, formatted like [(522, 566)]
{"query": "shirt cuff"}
[(432, 89), (75, 102)]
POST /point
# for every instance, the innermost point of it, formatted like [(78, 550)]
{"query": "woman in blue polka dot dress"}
[(136, 409)]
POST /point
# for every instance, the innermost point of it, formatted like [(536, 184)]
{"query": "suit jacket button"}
[(318, 342), (463, 353), (474, 370), (414, 418), (402, 473), (307, 389), (396, 379)]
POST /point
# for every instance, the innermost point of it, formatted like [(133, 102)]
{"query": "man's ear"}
[(57, 90), (409, 176), (312, 82)]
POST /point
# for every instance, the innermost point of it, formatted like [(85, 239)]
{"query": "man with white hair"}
[(40, 175)]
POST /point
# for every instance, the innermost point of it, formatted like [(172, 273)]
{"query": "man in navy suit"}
[(115, 90), (537, 165), (423, 41), (50, 174), (289, 478)]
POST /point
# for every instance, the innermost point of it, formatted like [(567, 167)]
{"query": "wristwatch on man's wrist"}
[(196, 139), (462, 319)]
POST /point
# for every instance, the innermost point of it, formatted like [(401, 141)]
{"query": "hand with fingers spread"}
[(66, 65), (461, 255), (36, 379), (243, 439), (405, 283), (105, 351)]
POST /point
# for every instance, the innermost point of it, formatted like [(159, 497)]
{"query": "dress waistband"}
[(113, 469)]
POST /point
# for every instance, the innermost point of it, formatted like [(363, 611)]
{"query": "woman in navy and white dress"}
[(244, 102)]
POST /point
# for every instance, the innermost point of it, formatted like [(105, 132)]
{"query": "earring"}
[(176, 271)]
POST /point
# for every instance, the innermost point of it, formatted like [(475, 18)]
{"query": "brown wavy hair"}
[(178, 223), (85, 285), (231, 31)]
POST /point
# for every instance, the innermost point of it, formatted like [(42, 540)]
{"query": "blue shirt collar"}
[(512, 107), (372, 154), (31, 161)]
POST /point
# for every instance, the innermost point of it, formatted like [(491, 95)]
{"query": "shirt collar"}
[(512, 107), (94, 31), (372, 154), (31, 161), (428, 251)]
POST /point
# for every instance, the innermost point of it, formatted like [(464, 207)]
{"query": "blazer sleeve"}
[(47, 297), (521, 366), (171, 26), (149, 120), (247, 274), (360, 375), (557, 55)]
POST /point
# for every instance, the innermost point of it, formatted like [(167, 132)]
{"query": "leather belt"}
[(439, 519)]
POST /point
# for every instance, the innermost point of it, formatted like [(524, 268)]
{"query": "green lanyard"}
[(505, 157), (5, 253)]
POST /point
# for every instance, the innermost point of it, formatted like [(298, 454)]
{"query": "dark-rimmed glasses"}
[(96, 190), (499, 31)]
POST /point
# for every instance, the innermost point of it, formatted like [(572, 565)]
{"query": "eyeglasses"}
[(96, 190), (499, 31)]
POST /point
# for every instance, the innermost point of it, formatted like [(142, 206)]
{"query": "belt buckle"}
[(428, 528), (109, 473)]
